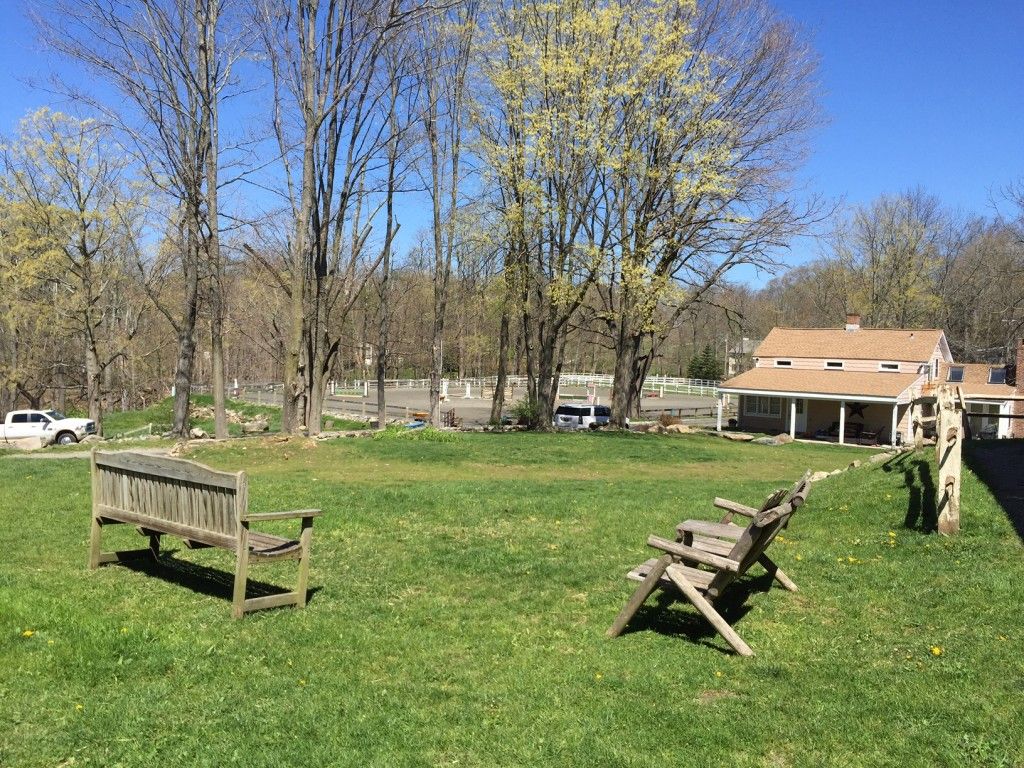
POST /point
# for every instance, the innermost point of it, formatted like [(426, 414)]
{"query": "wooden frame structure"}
[(205, 507), (707, 557)]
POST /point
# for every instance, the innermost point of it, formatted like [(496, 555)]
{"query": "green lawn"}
[(462, 592)]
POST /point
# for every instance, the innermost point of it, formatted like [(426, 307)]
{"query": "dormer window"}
[(997, 375), (955, 374), (834, 365), (783, 363), (889, 367)]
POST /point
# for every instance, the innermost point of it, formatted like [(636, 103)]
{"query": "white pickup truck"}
[(50, 426)]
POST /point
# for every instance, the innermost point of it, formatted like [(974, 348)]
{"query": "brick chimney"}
[(1017, 425), (853, 321)]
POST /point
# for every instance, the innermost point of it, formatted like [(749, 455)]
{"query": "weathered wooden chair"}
[(205, 507), (708, 557)]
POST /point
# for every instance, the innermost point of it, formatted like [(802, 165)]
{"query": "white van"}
[(581, 416)]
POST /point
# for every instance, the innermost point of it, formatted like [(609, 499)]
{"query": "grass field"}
[(462, 592)]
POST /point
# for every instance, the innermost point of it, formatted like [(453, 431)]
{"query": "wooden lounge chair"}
[(708, 557)]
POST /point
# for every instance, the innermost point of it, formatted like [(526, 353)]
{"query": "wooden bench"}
[(165, 496), (707, 557)]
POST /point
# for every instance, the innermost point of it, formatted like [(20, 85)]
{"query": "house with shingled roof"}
[(852, 383), (857, 384)]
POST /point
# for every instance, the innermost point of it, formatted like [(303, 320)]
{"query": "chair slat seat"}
[(700, 579)]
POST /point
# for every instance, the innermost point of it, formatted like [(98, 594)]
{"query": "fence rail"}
[(653, 385)]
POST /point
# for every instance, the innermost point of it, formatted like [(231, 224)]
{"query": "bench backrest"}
[(172, 491), (761, 532)]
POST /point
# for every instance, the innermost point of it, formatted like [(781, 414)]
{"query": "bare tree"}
[(169, 62), (445, 42), (326, 63)]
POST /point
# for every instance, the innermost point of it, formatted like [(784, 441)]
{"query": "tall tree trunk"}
[(498, 402), (187, 327), (93, 384), (294, 374)]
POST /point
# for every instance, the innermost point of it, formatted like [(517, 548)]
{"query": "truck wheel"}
[(66, 438)]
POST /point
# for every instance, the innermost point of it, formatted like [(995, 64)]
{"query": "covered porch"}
[(843, 419)]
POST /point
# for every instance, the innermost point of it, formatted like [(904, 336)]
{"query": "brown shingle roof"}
[(912, 344), (853, 383), (976, 380)]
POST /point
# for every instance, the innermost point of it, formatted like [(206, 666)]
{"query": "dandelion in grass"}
[(79, 707), (28, 633), (937, 650), (598, 676)]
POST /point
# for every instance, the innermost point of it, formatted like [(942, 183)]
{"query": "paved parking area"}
[(476, 411)]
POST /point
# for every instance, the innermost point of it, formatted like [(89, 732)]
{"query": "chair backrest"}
[(168, 490), (761, 532)]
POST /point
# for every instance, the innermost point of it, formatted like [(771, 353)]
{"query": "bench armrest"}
[(732, 506), (260, 516), (692, 554)]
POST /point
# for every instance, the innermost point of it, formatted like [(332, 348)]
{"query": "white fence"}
[(662, 385)]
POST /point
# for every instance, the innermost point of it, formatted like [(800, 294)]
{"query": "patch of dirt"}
[(711, 696)]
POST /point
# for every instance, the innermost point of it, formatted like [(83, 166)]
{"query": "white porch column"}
[(892, 432), (718, 427), (792, 417), (842, 422)]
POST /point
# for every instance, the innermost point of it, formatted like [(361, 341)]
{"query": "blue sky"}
[(916, 92)]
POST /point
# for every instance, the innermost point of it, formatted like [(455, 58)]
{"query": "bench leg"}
[(241, 576), (770, 566), (304, 539), (97, 557), (94, 544), (709, 613), (640, 594)]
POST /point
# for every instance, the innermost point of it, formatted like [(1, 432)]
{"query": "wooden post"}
[(892, 431), (718, 426), (916, 423), (949, 418), (842, 422), (792, 417)]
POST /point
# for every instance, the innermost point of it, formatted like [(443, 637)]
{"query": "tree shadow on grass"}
[(201, 578), (669, 613), (922, 512)]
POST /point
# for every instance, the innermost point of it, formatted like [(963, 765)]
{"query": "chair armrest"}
[(718, 530), (260, 516), (732, 506), (692, 554)]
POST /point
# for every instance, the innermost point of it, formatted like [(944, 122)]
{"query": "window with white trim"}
[(890, 367), (758, 405), (783, 363), (834, 365)]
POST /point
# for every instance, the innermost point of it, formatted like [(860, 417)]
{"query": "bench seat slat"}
[(700, 579), (264, 544)]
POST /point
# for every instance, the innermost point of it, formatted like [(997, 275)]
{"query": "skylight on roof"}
[(956, 373), (997, 375)]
